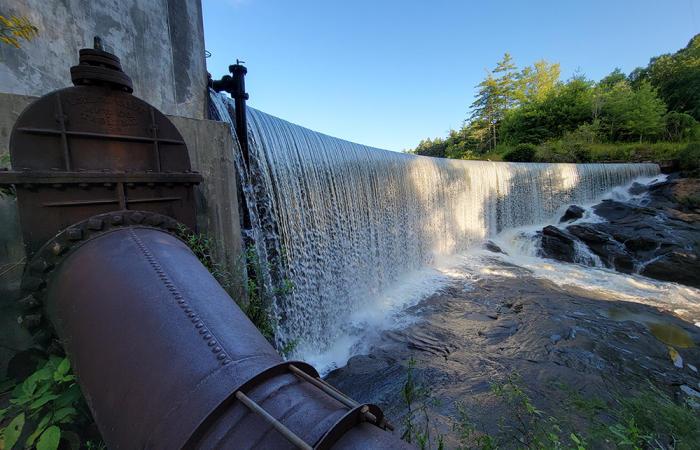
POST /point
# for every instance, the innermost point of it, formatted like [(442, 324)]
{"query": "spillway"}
[(348, 220)]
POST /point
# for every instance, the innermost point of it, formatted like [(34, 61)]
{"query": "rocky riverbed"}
[(596, 346), (657, 234), (595, 343)]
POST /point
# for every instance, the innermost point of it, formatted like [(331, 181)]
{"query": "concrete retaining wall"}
[(160, 44), (212, 150)]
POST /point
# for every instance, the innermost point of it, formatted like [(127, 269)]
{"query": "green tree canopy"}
[(677, 78)]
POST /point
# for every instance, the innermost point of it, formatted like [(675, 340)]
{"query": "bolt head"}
[(95, 224)]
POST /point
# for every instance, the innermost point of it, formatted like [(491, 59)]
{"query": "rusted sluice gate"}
[(164, 356)]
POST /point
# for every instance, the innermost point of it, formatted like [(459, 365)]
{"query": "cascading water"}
[(353, 220)]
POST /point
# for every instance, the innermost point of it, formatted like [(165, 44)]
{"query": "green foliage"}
[(628, 434), (526, 427), (46, 403), (653, 414), (532, 106), (562, 109), (579, 143), (690, 204), (205, 249), (680, 127), (650, 417), (536, 81), (553, 153), (431, 148), (677, 78), (17, 28), (522, 153), (416, 395), (649, 420), (689, 158), (260, 298)]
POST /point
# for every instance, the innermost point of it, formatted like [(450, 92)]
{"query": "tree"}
[(676, 77), (563, 109), (644, 112), (507, 85), (487, 109), (680, 127), (628, 113), (538, 80)]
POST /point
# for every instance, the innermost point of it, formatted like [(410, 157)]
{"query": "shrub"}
[(689, 158), (522, 153), (690, 204)]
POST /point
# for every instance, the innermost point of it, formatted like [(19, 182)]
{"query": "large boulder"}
[(556, 244), (573, 213), (610, 252), (680, 266)]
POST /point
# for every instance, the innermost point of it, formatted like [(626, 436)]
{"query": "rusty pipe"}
[(161, 351)]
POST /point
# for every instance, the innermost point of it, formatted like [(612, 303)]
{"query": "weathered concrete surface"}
[(11, 106), (212, 154), (160, 44)]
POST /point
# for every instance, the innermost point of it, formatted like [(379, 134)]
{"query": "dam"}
[(351, 220)]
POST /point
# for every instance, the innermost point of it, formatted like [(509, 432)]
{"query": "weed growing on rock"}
[(416, 396), (649, 420), (689, 159), (205, 248), (526, 427)]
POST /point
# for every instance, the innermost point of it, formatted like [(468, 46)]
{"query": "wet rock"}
[(610, 251), (657, 237), (490, 246), (596, 347), (682, 266), (638, 189), (573, 213), (641, 244), (556, 244)]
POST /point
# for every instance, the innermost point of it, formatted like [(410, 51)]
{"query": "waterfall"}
[(349, 220)]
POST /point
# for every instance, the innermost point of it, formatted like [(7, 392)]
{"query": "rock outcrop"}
[(652, 236)]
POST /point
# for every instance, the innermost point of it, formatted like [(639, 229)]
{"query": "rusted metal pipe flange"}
[(54, 252), (98, 67)]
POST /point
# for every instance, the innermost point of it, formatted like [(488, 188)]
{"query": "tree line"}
[(531, 115)]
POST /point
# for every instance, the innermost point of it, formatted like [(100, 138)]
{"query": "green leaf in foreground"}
[(49, 439), (13, 430)]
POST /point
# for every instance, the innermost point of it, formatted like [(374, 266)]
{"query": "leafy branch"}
[(17, 28)]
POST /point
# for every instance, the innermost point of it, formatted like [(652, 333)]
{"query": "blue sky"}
[(390, 73)]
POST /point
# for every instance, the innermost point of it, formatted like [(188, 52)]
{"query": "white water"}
[(476, 264), (369, 232)]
